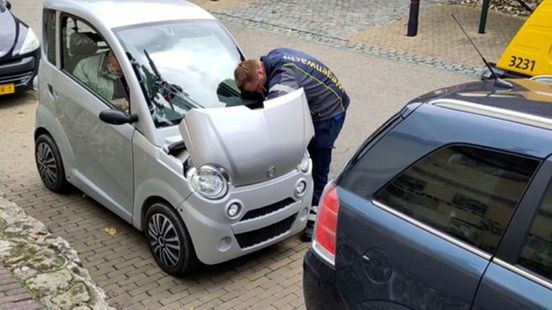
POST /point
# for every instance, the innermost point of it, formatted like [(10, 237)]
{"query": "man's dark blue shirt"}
[(288, 70)]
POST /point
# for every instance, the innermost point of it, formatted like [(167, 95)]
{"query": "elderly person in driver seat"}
[(103, 74)]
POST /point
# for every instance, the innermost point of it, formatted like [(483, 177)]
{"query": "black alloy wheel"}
[(49, 164), (169, 240)]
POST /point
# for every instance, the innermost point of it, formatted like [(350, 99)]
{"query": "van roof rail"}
[(504, 114)]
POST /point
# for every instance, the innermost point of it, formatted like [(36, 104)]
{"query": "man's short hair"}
[(246, 72)]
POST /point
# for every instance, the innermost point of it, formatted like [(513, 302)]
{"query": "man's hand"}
[(121, 104)]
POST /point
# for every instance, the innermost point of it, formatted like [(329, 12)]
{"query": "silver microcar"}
[(139, 110)]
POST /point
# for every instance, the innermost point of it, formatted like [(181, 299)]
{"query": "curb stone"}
[(45, 265)]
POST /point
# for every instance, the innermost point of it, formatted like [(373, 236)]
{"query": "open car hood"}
[(252, 145)]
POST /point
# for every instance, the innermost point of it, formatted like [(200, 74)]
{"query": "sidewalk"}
[(379, 28), (439, 37)]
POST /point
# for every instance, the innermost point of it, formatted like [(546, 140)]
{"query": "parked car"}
[(447, 206), (19, 52), (139, 110)]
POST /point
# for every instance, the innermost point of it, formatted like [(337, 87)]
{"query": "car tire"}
[(169, 241), (50, 165)]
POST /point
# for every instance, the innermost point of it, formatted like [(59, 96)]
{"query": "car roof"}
[(117, 13), (527, 102)]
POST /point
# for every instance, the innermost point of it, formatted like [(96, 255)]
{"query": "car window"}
[(378, 133), (183, 65), (467, 192), (88, 58), (537, 252), (50, 35)]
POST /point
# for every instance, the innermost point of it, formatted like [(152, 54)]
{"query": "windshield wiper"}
[(141, 81), (166, 89)]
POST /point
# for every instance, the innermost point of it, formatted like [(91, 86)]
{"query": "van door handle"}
[(53, 93)]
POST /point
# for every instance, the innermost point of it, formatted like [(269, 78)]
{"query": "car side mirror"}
[(8, 5), (116, 117)]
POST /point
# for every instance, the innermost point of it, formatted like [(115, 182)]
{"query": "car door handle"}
[(53, 93)]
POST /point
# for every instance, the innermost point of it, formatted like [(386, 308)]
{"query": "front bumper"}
[(270, 213), (19, 71), (319, 284)]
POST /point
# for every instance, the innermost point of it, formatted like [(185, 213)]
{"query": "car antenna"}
[(498, 81)]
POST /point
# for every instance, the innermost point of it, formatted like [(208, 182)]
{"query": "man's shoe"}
[(306, 235)]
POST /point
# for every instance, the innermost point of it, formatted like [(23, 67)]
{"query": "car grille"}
[(18, 71), (268, 209), (19, 78), (254, 237)]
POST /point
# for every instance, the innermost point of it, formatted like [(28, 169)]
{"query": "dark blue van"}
[(447, 206)]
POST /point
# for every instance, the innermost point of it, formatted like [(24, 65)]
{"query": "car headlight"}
[(30, 44), (210, 182), (305, 163)]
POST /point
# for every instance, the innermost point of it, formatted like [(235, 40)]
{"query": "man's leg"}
[(320, 149), (321, 160)]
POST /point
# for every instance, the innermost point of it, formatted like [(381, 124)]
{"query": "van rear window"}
[(467, 192)]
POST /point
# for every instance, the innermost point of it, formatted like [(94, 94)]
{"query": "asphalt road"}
[(378, 87)]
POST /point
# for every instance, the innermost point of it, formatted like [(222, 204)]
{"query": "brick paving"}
[(121, 264), (330, 18), (12, 295), (378, 28), (446, 42)]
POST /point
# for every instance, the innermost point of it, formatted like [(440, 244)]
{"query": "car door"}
[(419, 221), (520, 275), (89, 83)]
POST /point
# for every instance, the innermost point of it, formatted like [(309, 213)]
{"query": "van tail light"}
[(325, 229)]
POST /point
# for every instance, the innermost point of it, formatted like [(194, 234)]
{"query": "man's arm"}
[(283, 82), (121, 104), (80, 73)]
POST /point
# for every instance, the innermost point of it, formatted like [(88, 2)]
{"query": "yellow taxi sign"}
[(7, 89), (530, 52)]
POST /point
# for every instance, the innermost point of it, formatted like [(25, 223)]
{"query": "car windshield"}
[(183, 65)]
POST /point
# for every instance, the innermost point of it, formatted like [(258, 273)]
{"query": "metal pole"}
[(413, 18), (484, 13)]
